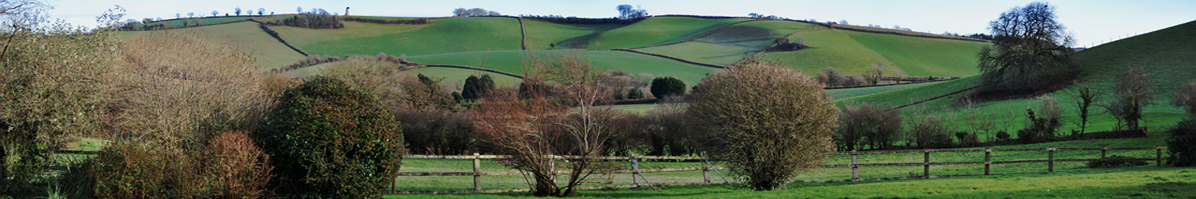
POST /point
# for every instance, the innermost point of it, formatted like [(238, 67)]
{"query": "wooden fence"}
[(855, 165), (707, 167)]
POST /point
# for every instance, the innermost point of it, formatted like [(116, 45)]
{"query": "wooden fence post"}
[(1051, 159), (634, 166), (477, 173), (1102, 154), (1158, 155), (705, 169), (855, 170), (987, 161), (926, 164)]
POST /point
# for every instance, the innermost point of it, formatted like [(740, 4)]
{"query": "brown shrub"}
[(237, 167), (866, 124), (1185, 97), (131, 170)]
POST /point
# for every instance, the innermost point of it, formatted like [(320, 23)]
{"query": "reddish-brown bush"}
[(237, 167)]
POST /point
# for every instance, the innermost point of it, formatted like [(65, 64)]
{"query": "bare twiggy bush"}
[(867, 124), (379, 78), (1185, 97), (54, 87), (831, 77), (437, 131), (771, 121), (131, 170), (237, 167), (930, 131), (535, 128), (1134, 90), (179, 88), (669, 130)]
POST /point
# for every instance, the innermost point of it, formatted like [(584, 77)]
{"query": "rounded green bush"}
[(665, 86), (329, 141)]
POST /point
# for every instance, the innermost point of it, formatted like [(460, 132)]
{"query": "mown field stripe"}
[(707, 33)]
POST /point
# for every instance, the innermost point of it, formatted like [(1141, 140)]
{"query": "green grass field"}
[(828, 48), (728, 46), (540, 34), (442, 36), (1075, 172), (923, 56), (652, 31), (512, 61), (175, 23), (246, 36), (856, 92)]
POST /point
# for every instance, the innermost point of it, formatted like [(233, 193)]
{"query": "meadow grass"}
[(441, 36), (540, 34), (652, 31), (923, 56), (386, 17), (512, 61), (246, 36), (845, 93), (827, 48), (1024, 176), (727, 46)]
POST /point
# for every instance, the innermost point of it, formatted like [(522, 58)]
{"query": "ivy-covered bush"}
[(326, 140), (1182, 144)]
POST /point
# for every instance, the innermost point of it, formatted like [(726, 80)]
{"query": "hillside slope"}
[(727, 46)]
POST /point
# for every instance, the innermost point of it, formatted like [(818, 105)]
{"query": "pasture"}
[(727, 46)]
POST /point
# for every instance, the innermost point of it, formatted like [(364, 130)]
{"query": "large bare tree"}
[(1029, 49)]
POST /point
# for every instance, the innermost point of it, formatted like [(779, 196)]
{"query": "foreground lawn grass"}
[(1135, 182)]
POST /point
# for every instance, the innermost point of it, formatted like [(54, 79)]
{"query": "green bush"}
[(1182, 144), (664, 86), (326, 140), (1116, 161)]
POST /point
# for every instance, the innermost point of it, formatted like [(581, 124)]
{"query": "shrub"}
[(1002, 135), (54, 86), (866, 124), (313, 21), (131, 170), (1185, 97), (237, 167), (1116, 161), (1043, 124), (330, 141), (1182, 144), (771, 121), (1133, 91), (669, 130), (930, 131), (831, 77), (379, 78), (635, 94), (437, 131), (476, 87), (665, 86)]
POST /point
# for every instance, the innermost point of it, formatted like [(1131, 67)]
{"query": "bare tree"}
[(214, 13), (1185, 97), (261, 11), (1134, 90), (874, 72), (533, 130), (459, 12), (1030, 47), (238, 11), (191, 14)]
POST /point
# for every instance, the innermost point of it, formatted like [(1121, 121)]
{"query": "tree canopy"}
[(1029, 49)]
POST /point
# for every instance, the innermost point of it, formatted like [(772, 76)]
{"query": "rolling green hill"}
[(246, 36), (727, 46), (827, 48), (458, 76), (651, 31), (923, 56), (451, 35), (1166, 54)]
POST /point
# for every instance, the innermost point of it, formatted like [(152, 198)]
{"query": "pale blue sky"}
[(1091, 21)]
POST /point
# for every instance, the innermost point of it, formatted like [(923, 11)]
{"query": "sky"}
[(1091, 22)]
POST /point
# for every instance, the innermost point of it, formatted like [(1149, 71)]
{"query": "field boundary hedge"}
[(383, 21), (274, 34), (200, 25), (670, 57), (523, 31)]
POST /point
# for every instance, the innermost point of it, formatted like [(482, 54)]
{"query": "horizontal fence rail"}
[(706, 168)]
